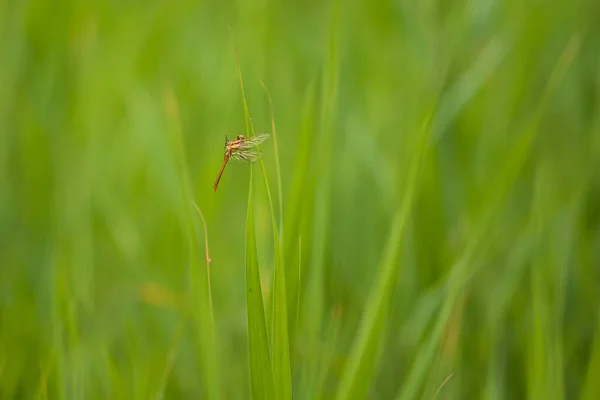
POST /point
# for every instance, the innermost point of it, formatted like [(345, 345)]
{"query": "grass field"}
[(424, 221)]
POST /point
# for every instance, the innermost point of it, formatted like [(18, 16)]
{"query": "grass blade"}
[(315, 300), (261, 369), (277, 164), (357, 375), (297, 212), (281, 351), (460, 271), (274, 378), (208, 262), (200, 280)]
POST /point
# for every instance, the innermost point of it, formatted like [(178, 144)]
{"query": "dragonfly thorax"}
[(241, 149)]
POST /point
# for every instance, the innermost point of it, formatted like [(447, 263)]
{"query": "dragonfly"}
[(242, 149)]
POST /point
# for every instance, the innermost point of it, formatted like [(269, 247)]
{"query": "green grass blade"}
[(357, 375), (460, 271), (277, 163), (277, 376), (313, 301), (261, 369), (297, 212), (315, 298), (281, 351), (280, 339), (248, 119), (200, 280), (208, 262)]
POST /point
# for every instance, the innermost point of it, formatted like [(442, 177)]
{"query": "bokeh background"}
[(442, 155)]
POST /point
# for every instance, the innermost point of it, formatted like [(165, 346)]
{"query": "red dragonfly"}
[(241, 149)]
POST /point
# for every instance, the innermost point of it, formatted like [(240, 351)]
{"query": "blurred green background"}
[(439, 166)]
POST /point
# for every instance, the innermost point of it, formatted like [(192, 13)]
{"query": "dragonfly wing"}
[(253, 141), (236, 158), (245, 155), (253, 156)]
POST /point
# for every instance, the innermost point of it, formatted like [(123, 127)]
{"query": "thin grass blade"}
[(315, 301), (261, 369), (357, 375), (274, 379), (296, 216), (461, 269), (281, 351), (200, 280), (280, 336), (277, 164)]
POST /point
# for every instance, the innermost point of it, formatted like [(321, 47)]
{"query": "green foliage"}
[(425, 224), (261, 367)]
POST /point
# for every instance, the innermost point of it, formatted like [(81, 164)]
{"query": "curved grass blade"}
[(281, 352), (315, 369), (357, 375), (277, 164), (298, 211), (261, 369), (200, 282), (460, 271), (280, 338), (276, 378), (208, 262)]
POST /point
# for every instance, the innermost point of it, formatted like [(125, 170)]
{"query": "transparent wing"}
[(253, 141), (236, 159), (245, 155)]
